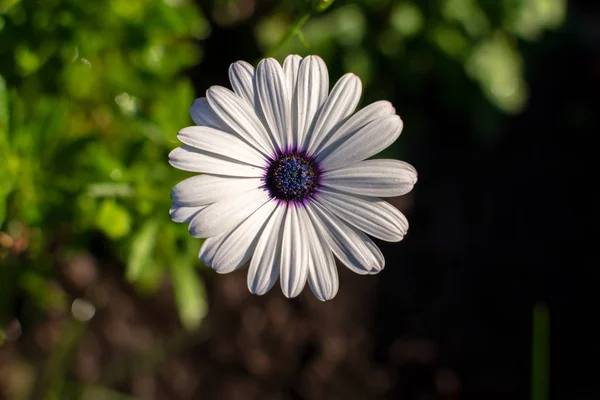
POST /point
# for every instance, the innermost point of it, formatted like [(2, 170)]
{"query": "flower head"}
[(285, 181)]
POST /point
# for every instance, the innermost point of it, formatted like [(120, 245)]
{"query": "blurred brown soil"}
[(249, 347)]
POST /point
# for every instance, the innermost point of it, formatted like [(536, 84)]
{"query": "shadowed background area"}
[(102, 296)]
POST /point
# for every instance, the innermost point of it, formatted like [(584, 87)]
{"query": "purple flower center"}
[(292, 177)]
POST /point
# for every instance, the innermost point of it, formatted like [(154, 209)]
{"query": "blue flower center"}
[(292, 177)]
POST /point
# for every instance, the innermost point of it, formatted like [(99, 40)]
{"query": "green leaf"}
[(498, 67), (171, 113), (150, 278), (5, 185), (321, 5), (2, 209), (142, 248), (45, 295), (190, 294), (3, 110), (113, 219)]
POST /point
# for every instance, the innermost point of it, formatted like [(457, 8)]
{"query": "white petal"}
[(206, 189), (342, 102), (219, 142), (274, 101), (348, 244), (354, 124), (209, 249), (188, 158), (202, 114), (238, 245), (225, 214), (264, 266), (322, 272), (372, 215), (311, 93), (183, 214), (240, 117), (380, 264), (379, 178), (372, 253), (294, 254), (291, 65), (368, 141), (241, 76)]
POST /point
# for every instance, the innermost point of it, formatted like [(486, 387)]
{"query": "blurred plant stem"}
[(540, 348), (51, 382), (294, 30)]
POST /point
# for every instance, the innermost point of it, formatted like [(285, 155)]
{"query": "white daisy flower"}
[(285, 181)]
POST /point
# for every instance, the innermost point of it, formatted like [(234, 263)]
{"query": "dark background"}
[(501, 221)]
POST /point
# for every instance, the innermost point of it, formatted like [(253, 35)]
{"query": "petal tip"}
[(258, 291), (215, 90), (173, 156)]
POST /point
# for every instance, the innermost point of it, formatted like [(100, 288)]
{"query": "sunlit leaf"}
[(469, 14), (497, 65), (142, 249), (320, 5), (407, 19), (113, 219), (528, 19), (190, 295)]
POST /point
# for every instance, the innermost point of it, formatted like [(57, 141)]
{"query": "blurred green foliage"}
[(91, 98), (92, 94), (481, 35)]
